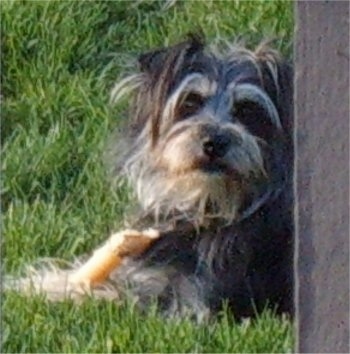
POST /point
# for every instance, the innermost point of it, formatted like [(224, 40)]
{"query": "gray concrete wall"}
[(322, 175)]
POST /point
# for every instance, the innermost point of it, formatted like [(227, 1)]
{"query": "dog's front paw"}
[(126, 243)]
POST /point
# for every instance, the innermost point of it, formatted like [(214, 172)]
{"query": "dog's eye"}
[(190, 104), (253, 117)]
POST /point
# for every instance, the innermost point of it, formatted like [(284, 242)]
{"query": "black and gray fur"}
[(234, 244)]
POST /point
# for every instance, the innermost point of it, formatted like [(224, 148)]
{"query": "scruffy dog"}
[(208, 151)]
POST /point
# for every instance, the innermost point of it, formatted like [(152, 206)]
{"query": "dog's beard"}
[(194, 195)]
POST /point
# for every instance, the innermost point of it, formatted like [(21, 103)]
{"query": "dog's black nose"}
[(216, 145)]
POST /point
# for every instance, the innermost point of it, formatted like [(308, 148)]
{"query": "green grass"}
[(58, 63)]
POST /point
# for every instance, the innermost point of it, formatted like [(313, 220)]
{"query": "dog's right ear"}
[(152, 61)]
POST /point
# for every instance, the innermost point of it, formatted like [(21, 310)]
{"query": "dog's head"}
[(210, 132)]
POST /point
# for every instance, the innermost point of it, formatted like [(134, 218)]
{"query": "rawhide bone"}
[(107, 258)]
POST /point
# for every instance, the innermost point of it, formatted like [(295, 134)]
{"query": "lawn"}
[(59, 61)]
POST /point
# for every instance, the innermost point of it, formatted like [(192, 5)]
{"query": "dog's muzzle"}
[(211, 148)]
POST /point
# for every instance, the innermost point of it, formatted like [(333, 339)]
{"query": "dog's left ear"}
[(155, 60), (277, 77)]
